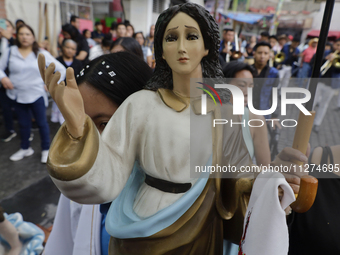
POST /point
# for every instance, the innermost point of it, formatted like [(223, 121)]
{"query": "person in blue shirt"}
[(289, 66), (267, 78), (327, 86), (98, 35), (227, 45)]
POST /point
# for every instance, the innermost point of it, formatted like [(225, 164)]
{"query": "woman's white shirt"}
[(25, 76)]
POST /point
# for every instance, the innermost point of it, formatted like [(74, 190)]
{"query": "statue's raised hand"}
[(68, 98)]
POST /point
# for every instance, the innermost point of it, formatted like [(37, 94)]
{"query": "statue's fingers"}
[(59, 94), (53, 84), (70, 79), (42, 65), (49, 74)]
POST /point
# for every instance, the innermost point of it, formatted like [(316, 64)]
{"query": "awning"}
[(331, 34), (250, 18)]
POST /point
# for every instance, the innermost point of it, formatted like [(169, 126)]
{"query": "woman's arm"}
[(84, 49), (58, 66), (4, 60), (260, 140), (82, 55)]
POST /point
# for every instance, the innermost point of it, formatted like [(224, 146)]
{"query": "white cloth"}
[(96, 51), (56, 116), (265, 231), (30, 235), (146, 52), (285, 73), (91, 42), (25, 76), (323, 97), (76, 230)]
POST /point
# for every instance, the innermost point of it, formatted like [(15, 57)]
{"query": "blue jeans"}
[(304, 73), (7, 105), (25, 122)]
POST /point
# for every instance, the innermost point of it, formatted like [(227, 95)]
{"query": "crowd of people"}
[(19, 51), (107, 69), (277, 58)]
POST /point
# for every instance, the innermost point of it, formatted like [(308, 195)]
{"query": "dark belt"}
[(166, 186)]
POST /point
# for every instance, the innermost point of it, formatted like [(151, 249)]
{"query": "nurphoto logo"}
[(238, 103)]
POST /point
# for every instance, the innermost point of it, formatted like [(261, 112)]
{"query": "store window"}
[(158, 6), (80, 8)]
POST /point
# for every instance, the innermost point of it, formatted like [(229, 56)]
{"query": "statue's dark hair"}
[(162, 77)]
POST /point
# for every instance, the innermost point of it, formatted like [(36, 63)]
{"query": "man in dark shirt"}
[(289, 66), (98, 34), (327, 86), (227, 45), (267, 78), (264, 37), (74, 21)]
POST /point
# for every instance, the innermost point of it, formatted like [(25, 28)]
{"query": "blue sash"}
[(122, 222)]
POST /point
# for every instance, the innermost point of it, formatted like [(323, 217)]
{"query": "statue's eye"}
[(170, 38), (192, 37)]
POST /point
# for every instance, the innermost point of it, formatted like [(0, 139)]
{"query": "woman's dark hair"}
[(84, 32), (35, 46), (18, 21), (107, 40), (139, 32), (233, 67), (211, 68), (114, 25), (10, 23), (129, 25), (126, 74), (129, 44), (72, 31)]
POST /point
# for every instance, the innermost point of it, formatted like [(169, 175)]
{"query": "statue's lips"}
[(183, 60)]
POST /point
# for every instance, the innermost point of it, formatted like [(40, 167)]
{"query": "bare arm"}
[(98, 40), (82, 55)]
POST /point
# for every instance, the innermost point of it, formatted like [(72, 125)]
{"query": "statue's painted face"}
[(183, 45)]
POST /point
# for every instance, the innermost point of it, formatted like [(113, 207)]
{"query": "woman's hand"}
[(68, 98), (6, 83), (5, 33)]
